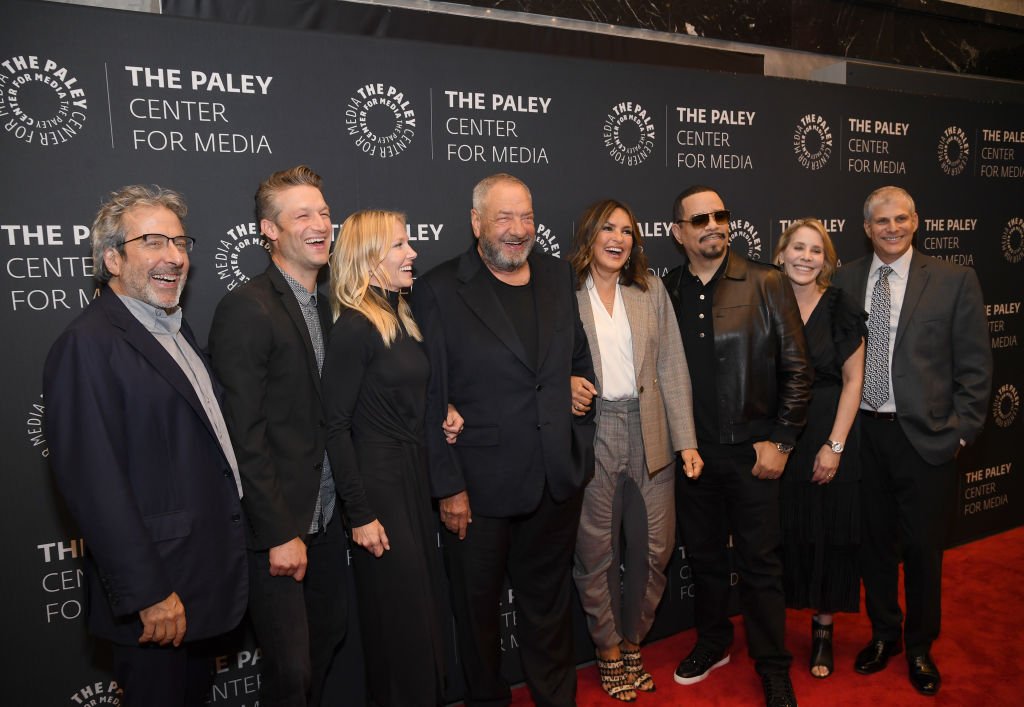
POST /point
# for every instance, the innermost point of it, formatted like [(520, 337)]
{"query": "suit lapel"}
[(478, 294), (291, 306), (542, 277), (590, 327), (153, 352), (917, 280)]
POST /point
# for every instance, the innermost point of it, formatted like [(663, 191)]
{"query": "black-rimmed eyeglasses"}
[(158, 241), (701, 220)]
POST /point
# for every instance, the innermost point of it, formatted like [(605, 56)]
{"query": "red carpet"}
[(978, 652)]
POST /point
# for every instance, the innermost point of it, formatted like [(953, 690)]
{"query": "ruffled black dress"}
[(821, 523)]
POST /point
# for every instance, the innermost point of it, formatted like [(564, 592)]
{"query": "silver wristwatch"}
[(836, 447), (783, 447)]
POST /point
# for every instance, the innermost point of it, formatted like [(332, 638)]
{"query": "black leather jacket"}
[(764, 376)]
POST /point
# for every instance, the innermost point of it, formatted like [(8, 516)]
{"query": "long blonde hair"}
[(363, 241)]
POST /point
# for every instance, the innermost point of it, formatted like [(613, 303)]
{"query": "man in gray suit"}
[(927, 379)]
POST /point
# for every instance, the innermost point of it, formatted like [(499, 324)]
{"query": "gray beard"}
[(496, 259)]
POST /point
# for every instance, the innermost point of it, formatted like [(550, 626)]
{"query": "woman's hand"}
[(371, 537), (825, 464), (583, 392), (452, 425)]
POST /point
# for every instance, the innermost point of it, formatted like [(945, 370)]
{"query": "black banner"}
[(92, 99)]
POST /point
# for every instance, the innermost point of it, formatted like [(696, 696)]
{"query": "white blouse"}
[(615, 342)]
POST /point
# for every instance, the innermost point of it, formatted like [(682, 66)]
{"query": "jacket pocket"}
[(168, 526), (479, 436)]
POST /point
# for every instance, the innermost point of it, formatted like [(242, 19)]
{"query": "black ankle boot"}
[(821, 647)]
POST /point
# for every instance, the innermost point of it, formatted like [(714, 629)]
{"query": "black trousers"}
[(727, 497), (907, 507), (535, 550), (164, 676), (299, 625)]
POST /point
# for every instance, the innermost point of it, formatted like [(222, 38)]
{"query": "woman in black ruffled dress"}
[(821, 484)]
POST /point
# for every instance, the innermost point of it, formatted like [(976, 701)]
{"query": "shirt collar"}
[(900, 266), (154, 319), (304, 296)]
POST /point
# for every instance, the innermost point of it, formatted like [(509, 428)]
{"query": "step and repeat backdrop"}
[(92, 99)]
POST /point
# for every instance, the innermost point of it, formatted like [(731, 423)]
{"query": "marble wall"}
[(919, 33)]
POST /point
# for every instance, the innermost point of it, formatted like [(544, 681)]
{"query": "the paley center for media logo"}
[(1013, 240), (41, 101), (812, 142), (1005, 405), (953, 150), (743, 237), (240, 255), (628, 133), (547, 241), (380, 120)]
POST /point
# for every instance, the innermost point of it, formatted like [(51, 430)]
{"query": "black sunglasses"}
[(701, 220)]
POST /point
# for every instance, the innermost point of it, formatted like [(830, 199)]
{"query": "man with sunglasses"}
[(141, 454), (745, 347)]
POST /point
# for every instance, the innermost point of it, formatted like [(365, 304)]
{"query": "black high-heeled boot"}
[(821, 647)]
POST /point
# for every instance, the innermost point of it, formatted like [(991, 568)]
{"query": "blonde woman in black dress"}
[(375, 379)]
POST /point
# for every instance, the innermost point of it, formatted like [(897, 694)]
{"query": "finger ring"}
[(575, 407)]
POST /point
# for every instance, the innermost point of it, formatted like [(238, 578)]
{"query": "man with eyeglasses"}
[(141, 454), (745, 347)]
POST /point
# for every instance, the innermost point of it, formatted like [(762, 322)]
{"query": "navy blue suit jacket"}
[(144, 476)]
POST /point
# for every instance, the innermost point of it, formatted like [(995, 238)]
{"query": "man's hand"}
[(289, 560), (770, 461), (164, 622), (455, 513), (693, 465), (583, 392), (371, 537)]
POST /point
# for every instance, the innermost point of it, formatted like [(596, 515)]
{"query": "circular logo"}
[(953, 150), (41, 103), (34, 427), (1013, 240), (743, 229), (381, 120), (98, 694), (628, 133), (547, 241), (240, 255), (1005, 405), (812, 142)]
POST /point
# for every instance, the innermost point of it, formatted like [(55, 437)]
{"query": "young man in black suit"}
[(267, 342)]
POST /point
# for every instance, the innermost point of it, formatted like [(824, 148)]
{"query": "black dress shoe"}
[(875, 656), (924, 676)]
